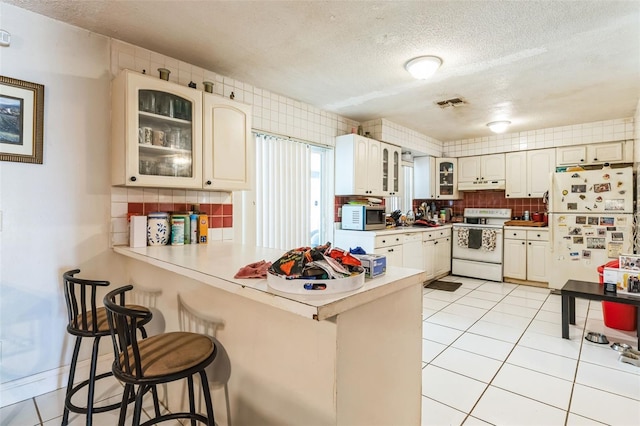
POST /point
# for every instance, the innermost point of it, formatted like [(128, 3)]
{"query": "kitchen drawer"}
[(434, 234), (538, 235), (389, 240), (515, 234), (414, 236)]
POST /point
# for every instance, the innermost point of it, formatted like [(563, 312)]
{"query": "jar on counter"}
[(158, 229)]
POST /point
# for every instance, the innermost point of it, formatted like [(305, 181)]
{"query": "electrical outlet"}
[(339, 211)]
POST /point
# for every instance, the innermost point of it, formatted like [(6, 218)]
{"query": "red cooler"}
[(617, 315)]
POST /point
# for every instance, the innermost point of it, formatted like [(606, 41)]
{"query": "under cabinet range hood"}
[(482, 185)]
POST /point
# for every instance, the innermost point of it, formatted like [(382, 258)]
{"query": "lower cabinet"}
[(437, 248), (429, 250), (392, 246), (526, 255)]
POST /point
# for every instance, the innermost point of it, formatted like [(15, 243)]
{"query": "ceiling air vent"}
[(453, 102)]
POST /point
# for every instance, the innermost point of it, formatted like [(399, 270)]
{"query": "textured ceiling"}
[(538, 64)]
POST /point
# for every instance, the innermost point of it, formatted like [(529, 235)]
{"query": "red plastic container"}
[(619, 316)]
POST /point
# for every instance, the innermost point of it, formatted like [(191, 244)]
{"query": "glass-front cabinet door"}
[(390, 169), (157, 132), (446, 179)]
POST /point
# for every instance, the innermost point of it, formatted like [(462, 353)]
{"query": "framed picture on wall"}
[(21, 120)]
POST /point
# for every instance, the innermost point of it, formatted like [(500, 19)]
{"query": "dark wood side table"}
[(591, 291)]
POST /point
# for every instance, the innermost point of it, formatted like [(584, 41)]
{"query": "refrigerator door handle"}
[(551, 228)]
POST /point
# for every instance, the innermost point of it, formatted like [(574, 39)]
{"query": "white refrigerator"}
[(590, 220)]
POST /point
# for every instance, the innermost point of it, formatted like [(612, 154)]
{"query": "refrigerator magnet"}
[(601, 187), (572, 206), (602, 232), (578, 188), (586, 254), (617, 236), (614, 250), (574, 255), (591, 220), (606, 221), (578, 240), (581, 220), (614, 205), (622, 221), (596, 243)]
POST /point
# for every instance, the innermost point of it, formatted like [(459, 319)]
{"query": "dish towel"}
[(463, 237), (489, 239), (475, 238), (254, 270)]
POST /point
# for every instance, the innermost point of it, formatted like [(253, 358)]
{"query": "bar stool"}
[(219, 372), (159, 359), (86, 319)]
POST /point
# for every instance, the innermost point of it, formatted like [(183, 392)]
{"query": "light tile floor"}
[(492, 354)]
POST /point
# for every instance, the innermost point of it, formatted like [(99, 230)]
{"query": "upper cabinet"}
[(446, 185), (481, 168), (611, 152), (424, 177), (157, 136), (227, 135), (156, 133), (366, 166), (390, 169), (527, 173)]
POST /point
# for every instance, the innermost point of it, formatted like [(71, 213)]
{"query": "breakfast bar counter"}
[(351, 358)]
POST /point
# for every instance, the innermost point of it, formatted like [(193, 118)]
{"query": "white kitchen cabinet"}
[(481, 168), (610, 152), (527, 173), (437, 250), (156, 138), (227, 148), (514, 264), (446, 185), (358, 166), (424, 177), (391, 171), (392, 247), (413, 255), (526, 255)]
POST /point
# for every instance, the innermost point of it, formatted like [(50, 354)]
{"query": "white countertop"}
[(216, 263), (404, 229), (526, 228)]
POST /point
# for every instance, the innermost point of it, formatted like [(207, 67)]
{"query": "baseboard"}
[(47, 381)]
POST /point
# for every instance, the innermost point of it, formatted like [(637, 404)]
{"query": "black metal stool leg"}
[(137, 410), (92, 379), (192, 401), (156, 403), (72, 373), (207, 398), (126, 394)]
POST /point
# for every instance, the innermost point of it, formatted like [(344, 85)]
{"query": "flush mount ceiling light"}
[(498, 126), (423, 67)]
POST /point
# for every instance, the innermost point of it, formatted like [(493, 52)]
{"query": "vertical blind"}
[(282, 193)]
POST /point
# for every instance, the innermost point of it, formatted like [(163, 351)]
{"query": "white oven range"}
[(477, 243)]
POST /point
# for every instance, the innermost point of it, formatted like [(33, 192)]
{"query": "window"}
[(293, 198)]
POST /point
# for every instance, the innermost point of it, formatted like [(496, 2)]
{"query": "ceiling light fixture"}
[(498, 126), (423, 67)]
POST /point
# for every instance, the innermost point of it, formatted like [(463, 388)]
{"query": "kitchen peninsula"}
[(350, 358)]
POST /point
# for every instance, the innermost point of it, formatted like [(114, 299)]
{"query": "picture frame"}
[(21, 121)]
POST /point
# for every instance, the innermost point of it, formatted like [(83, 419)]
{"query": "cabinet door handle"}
[(208, 182), (582, 160), (523, 243), (538, 235), (508, 195), (435, 242), (390, 250), (595, 159), (384, 241), (133, 178), (514, 234), (529, 243)]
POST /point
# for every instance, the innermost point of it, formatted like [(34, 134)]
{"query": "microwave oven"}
[(363, 218)]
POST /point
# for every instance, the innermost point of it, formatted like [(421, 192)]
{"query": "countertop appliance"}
[(477, 243), (359, 217), (590, 222)]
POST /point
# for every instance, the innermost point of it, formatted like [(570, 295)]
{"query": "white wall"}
[(55, 216)]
